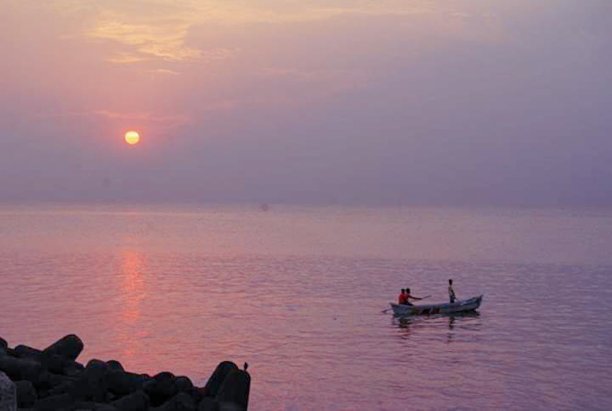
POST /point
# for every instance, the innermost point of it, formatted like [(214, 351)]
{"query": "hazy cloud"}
[(469, 101)]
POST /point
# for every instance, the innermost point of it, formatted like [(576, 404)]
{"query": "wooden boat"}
[(459, 306)]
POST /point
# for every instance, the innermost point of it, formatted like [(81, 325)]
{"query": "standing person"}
[(401, 299), (410, 297), (451, 292)]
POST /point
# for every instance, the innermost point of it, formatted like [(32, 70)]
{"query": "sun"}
[(132, 137)]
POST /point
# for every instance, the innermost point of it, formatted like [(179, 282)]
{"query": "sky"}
[(390, 102)]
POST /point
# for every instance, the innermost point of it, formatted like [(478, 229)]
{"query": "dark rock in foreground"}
[(8, 393), (218, 377), (68, 347), (52, 379), (26, 394), (235, 389)]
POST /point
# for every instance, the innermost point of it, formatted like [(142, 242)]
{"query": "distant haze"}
[(325, 101)]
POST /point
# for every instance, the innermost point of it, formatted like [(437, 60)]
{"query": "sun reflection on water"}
[(133, 292)]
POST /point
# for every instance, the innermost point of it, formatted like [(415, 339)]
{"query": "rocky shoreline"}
[(52, 379)]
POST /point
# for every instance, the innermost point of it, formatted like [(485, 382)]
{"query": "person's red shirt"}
[(402, 298)]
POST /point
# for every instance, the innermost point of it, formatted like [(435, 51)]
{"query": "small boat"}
[(459, 306)]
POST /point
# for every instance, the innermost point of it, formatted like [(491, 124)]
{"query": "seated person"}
[(401, 299), (409, 297)]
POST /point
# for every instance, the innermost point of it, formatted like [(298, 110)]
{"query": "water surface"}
[(298, 293)]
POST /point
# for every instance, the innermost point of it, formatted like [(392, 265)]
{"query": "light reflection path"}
[(132, 291)]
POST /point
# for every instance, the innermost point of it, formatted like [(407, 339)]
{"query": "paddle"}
[(422, 298)]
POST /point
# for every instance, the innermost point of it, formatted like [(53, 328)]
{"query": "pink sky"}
[(466, 101)]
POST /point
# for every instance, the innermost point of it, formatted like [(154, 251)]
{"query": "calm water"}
[(298, 293)]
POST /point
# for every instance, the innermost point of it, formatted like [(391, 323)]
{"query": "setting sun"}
[(132, 137)]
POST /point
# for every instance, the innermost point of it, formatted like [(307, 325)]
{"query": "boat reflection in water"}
[(469, 321)]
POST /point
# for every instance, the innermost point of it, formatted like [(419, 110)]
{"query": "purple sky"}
[(366, 102)]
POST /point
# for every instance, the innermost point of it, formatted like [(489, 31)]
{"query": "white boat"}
[(459, 306)]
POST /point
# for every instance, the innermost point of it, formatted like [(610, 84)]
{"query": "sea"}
[(300, 292)]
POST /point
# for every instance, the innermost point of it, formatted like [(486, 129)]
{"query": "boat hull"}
[(460, 306)]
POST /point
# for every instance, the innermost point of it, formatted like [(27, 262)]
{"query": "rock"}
[(235, 389), (198, 393), (91, 383), (26, 394), (63, 388), (184, 402), (52, 379), (161, 388), (43, 385), (8, 393), (47, 380), (138, 401), (123, 383), (84, 405), (115, 365), (23, 351), (104, 407), (183, 384), (54, 403), (72, 368), (20, 368), (53, 362), (218, 376), (180, 402), (68, 347), (96, 364), (93, 406), (208, 404), (230, 406)]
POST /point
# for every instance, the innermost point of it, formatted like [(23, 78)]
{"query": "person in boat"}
[(451, 293), (410, 297), (401, 299)]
